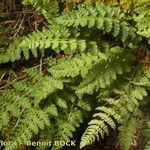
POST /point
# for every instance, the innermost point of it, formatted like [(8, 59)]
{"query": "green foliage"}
[(108, 19), (66, 126), (22, 103), (128, 132), (146, 135), (104, 72), (142, 18), (119, 109), (48, 8), (57, 38), (86, 63)]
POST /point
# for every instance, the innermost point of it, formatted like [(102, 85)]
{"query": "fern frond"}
[(12, 103), (56, 38), (25, 108), (147, 135), (142, 19), (14, 100), (104, 72), (66, 126), (88, 64), (100, 125), (80, 64), (120, 109), (61, 102), (101, 17), (128, 131), (43, 86), (32, 121), (49, 8)]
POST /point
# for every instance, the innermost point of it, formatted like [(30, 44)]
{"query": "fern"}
[(128, 132), (146, 134), (32, 122), (23, 102), (80, 64), (104, 72), (39, 41), (67, 126), (121, 111), (142, 19), (49, 8), (18, 104), (102, 17), (86, 63)]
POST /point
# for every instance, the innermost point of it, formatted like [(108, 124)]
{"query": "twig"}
[(2, 87), (130, 81), (19, 26), (23, 109), (6, 22), (2, 76), (41, 64), (117, 144)]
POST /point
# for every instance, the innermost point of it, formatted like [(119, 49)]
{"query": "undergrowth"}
[(87, 61)]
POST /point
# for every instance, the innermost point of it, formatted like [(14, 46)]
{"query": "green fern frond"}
[(120, 109), (128, 131), (101, 17), (80, 64), (147, 134), (61, 102), (33, 120), (84, 105), (12, 103), (104, 72), (43, 86), (24, 95), (100, 125), (142, 19), (66, 126), (49, 8), (57, 38)]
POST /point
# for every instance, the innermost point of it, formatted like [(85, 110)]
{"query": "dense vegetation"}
[(80, 73)]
